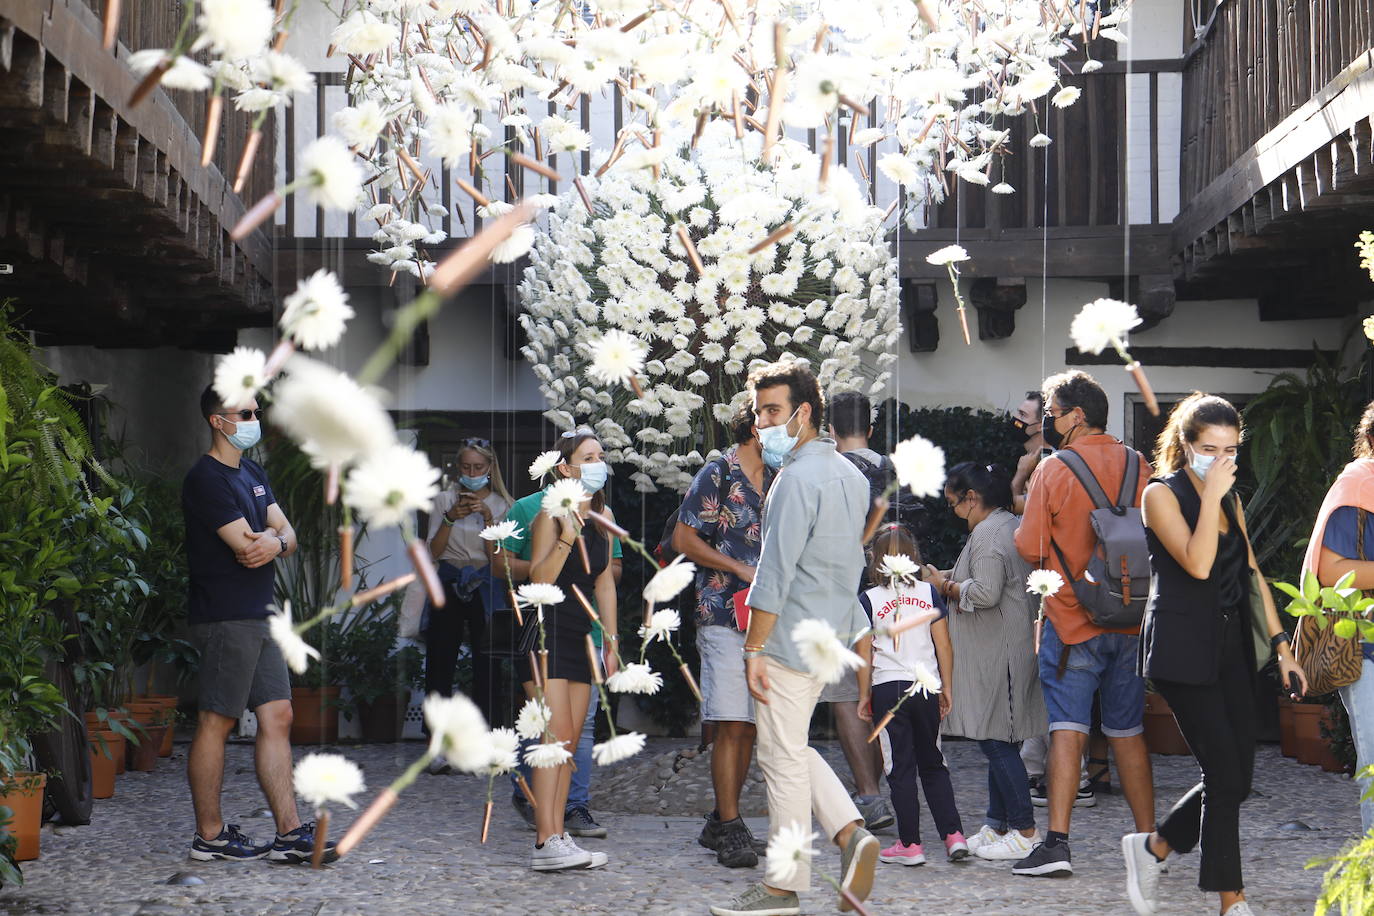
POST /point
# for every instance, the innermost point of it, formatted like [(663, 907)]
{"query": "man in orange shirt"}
[(1078, 658)]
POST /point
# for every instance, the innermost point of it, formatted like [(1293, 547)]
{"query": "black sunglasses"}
[(244, 415)]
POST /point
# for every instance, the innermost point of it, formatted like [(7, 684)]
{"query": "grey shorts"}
[(724, 689), (240, 666), (845, 690)]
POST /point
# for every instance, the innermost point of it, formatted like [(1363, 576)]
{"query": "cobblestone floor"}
[(425, 858)]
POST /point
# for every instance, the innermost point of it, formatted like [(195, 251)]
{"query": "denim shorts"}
[(724, 689), (1105, 665), (241, 666)]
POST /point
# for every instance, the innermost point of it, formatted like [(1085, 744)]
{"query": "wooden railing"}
[(1257, 62)]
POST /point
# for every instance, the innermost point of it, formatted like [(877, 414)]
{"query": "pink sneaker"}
[(956, 846), (898, 854)]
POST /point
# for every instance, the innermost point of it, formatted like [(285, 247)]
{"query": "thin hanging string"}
[(1044, 291)]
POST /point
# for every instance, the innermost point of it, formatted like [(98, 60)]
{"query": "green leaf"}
[(1346, 581), (1311, 588), (1289, 590), (1345, 627)]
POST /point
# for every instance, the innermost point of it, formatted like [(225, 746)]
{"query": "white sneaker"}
[(598, 859), (1239, 908), (982, 837), (558, 854), (1142, 873), (1010, 845)]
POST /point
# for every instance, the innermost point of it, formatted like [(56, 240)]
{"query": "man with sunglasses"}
[(234, 533)]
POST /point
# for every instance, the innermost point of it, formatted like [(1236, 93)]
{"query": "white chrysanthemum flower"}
[(505, 748), (516, 245), (868, 136), (184, 72), (635, 678), (616, 358), (950, 254), (822, 652), (236, 29), (660, 624), (544, 463), (548, 755), (282, 73), (923, 680), (1066, 96), (324, 778), (457, 732), (360, 124), (1035, 83), (362, 33), (564, 497), (899, 169), (295, 650), (618, 748), (330, 175), (500, 531), (315, 314), (533, 720), (1044, 582), (788, 848), (239, 376), (1002, 188), (1103, 323), (920, 466), (899, 567), (670, 580), (1039, 140), (1090, 66), (540, 594), (386, 487), (331, 417)]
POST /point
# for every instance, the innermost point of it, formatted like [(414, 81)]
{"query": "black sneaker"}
[(522, 806), (297, 846), (711, 835), (736, 849), (1040, 796), (1045, 862), (229, 845), (578, 821)]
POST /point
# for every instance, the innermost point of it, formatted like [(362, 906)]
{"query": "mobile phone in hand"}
[(1294, 685)]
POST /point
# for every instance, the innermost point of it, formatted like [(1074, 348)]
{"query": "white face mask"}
[(1201, 464)]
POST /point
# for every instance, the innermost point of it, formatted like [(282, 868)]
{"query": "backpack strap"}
[(1130, 481)]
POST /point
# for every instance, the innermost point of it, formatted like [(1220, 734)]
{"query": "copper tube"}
[(149, 82), (638, 20), (592, 659), (735, 114), (692, 255), (470, 191), (424, 566), (256, 216), (331, 485), (754, 124), (250, 152), (535, 673), (345, 557), (636, 387), (586, 605), (582, 192), (404, 155), (1138, 373), (729, 13), (111, 25), (525, 162), (457, 270), (701, 125), (827, 151), (820, 39), (544, 664), (364, 824), (214, 109), (963, 325), (927, 15), (582, 550), (321, 829), (882, 724), (515, 606), (853, 901), (907, 623), (890, 207), (777, 89), (486, 820), (379, 591), (605, 522), (525, 787), (857, 107), (776, 235), (691, 681), (279, 42), (278, 357)]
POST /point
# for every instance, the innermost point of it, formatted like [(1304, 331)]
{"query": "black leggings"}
[(442, 641), (915, 761), (1218, 722)]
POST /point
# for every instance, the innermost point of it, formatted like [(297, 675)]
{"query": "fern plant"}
[(1348, 885)]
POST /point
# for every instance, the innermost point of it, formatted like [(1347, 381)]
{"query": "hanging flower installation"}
[(720, 262)]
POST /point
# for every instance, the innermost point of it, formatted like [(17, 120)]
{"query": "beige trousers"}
[(799, 781)]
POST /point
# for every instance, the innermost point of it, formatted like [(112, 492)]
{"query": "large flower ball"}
[(825, 291)]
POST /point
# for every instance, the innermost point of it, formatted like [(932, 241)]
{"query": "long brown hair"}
[(1187, 420), (891, 540), (1364, 431), (569, 444)]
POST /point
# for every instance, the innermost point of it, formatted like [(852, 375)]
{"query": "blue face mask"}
[(594, 474), (1201, 464), (777, 443), (246, 435), (474, 483)]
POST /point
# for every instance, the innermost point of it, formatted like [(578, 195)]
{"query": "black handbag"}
[(508, 639)]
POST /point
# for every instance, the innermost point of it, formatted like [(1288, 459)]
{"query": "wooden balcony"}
[(116, 234), (1277, 168)]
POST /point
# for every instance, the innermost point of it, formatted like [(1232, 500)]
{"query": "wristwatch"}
[(281, 540)]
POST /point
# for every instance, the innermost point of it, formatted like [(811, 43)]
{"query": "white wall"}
[(1155, 30)]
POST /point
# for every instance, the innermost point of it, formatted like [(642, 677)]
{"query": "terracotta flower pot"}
[(143, 756), (168, 702), (23, 794), (1161, 730), (1313, 749), (1288, 739), (124, 718), (381, 721), (314, 715), (103, 764)]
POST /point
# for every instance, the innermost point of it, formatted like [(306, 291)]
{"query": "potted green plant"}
[(379, 676)]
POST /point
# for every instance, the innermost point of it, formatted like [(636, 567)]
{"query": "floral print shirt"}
[(724, 508)]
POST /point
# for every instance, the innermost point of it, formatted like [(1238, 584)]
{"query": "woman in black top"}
[(555, 557), (1196, 645)]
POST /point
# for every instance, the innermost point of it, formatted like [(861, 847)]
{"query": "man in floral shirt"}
[(719, 530)]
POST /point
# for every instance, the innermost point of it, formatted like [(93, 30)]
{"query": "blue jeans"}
[(1105, 665), (1359, 705), (580, 790), (1009, 801)]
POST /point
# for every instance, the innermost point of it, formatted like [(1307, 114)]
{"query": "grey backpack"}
[(1114, 587)]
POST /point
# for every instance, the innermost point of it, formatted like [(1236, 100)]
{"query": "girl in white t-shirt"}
[(920, 656)]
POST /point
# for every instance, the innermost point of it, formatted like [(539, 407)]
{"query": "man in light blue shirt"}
[(812, 555)]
